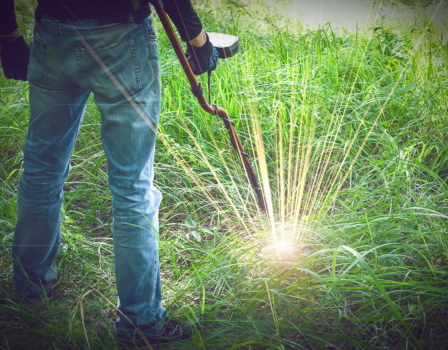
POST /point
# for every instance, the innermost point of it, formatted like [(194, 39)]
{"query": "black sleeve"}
[(184, 18), (8, 22)]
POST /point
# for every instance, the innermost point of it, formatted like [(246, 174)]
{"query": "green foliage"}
[(355, 159)]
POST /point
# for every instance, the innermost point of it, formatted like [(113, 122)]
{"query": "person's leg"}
[(129, 144), (56, 116), (129, 132), (121, 66)]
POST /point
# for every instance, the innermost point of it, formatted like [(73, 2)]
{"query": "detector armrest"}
[(226, 45)]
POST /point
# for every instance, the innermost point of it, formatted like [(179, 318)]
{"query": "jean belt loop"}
[(131, 18), (56, 27)]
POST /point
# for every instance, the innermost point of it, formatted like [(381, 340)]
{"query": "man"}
[(108, 48)]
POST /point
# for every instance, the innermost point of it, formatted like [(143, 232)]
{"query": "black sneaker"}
[(171, 331)]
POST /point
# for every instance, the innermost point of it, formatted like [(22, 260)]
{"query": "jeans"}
[(118, 63)]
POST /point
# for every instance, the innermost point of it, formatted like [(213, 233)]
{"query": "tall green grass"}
[(348, 136)]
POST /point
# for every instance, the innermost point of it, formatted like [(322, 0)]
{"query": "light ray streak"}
[(323, 158), (214, 173), (256, 139), (290, 147), (345, 155), (301, 180), (117, 83), (253, 142), (263, 169), (202, 187), (308, 145), (299, 148), (259, 146), (221, 186), (153, 127), (382, 108), (308, 207), (348, 100), (333, 140), (376, 119), (282, 167), (328, 137), (240, 156), (228, 170), (304, 174), (302, 158), (87, 28), (246, 114), (303, 146)]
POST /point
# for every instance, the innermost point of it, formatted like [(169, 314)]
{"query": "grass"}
[(349, 136)]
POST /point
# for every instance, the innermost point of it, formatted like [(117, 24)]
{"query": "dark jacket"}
[(181, 13)]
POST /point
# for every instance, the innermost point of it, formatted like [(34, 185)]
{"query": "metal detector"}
[(227, 46)]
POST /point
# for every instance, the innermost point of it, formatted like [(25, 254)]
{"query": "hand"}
[(15, 56), (203, 58)]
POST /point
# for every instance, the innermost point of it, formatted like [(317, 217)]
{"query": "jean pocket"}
[(37, 68), (112, 71), (151, 42)]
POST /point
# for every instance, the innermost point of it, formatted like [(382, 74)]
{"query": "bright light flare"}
[(282, 249)]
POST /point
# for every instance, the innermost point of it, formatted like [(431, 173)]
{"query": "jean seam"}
[(60, 54), (41, 56), (149, 37)]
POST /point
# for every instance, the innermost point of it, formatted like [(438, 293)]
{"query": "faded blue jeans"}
[(118, 63)]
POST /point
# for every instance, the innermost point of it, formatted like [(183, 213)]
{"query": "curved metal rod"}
[(211, 109)]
